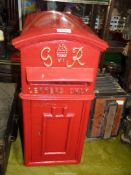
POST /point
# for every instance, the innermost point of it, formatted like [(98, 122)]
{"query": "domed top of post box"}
[(52, 25)]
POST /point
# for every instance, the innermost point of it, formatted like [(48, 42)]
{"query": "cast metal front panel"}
[(56, 130)]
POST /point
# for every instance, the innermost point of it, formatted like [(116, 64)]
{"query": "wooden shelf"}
[(95, 2), (115, 46), (8, 62), (115, 49)]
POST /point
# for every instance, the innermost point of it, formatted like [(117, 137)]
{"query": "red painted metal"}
[(59, 61)]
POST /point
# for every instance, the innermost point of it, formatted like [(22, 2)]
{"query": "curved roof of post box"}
[(52, 25)]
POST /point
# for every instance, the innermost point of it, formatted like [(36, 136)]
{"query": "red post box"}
[(59, 61)]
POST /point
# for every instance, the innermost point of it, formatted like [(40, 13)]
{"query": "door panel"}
[(55, 129)]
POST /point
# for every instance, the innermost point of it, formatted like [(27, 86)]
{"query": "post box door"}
[(55, 129)]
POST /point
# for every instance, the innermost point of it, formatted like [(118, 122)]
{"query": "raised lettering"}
[(46, 58)]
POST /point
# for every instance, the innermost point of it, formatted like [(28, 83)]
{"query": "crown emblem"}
[(62, 51)]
